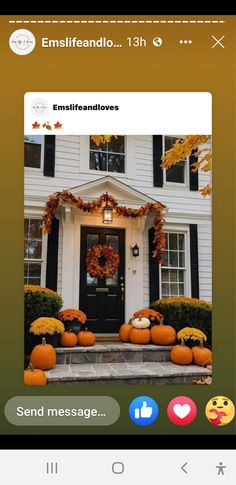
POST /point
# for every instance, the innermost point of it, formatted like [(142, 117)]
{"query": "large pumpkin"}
[(141, 322), (68, 339), (43, 356), (124, 332), (34, 377), (181, 354), (86, 338), (163, 334), (201, 355), (140, 336)]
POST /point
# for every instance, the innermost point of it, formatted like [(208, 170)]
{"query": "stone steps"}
[(112, 352), (125, 373)]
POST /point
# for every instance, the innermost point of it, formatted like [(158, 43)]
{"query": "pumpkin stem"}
[(182, 342), (30, 368), (44, 341), (201, 344), (161, 321)]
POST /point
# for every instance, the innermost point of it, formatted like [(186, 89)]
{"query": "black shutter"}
[(193, 177), (154, 291), (49, 155), (157, 154), (52, 256), (194, 260)]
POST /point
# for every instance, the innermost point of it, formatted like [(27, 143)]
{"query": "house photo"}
[(127, 170)]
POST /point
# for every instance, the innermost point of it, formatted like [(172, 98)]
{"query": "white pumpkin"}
[(141, 322)]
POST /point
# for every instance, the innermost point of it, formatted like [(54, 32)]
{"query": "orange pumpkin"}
[(124, 332), (43, 356), (68, 339), (201, 355), (163, 334), (34, 377), (86, 338), (140, 336), (181, 354)]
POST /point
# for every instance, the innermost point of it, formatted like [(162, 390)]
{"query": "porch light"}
[(135, 250), (107, 213)]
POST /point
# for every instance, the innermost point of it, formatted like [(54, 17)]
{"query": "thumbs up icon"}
[(143, 410)]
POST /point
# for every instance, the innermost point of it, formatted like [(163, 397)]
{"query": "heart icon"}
[(182, 410)]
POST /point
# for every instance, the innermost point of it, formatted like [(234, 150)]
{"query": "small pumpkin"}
[(43, 356), (86, 338), (181, 354), (201, 355), (124, 332), (163, 334), (34, 377), (141, 322), (140, 336), (68, 339)]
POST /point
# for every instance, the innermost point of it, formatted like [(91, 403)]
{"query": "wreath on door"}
[(102, 261)]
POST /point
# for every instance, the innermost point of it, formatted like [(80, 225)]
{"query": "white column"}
[(68, 246)]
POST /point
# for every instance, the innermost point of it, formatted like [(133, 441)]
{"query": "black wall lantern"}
[(135, 250), (107, 213)]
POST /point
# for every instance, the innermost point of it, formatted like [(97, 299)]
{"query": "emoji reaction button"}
[(220, 410)]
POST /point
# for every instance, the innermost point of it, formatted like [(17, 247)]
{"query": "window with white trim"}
[(173, 270), (33, 251), (177, 174), (33, 151), (108, 157)]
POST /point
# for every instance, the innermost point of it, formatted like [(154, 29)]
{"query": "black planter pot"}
[(53, 340), (72, 325)]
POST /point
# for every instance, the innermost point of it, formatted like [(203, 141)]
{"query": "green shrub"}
[(183, 312), (39, 302)]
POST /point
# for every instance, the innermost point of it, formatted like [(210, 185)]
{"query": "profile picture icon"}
[(22, 42), (220, 411)]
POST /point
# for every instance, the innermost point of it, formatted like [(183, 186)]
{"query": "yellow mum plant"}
[(45, 325), (191, 333)]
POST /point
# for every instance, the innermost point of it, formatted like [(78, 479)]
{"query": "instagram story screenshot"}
[(118, 249)]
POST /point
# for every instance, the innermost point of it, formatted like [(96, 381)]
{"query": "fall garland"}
[(66, 197), (102, 261)]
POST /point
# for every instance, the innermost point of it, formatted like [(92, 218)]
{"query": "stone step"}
[(126, 373), (112, 352)]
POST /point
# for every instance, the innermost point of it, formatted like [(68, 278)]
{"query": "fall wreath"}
[(102, 261)]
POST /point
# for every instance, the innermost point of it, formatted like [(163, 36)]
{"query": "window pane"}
[(181, 259), (93, 146), (34, 270), (173, 258), (98, 161), (33, 249), (32, 151), (173, 241), (165, 289), (112, 281), (113, 241), (176, 173), (181, 289), (173, 275), (91, 281), (165, 258), (35, 229), (92, 240), (181, 275), (117, 145), (181, 242), (116, 163), (174, 289), (165, 275), (26, 227)]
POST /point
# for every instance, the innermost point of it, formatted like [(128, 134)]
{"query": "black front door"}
[(103, 300)]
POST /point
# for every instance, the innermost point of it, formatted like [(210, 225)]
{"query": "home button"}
[(118, 468)]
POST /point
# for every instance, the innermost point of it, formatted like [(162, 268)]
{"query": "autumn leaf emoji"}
[(47, 126), (35, 125), (57, 125)]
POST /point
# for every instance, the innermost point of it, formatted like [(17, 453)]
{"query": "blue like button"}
[(143, 410)]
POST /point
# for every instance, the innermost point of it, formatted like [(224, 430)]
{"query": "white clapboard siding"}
[(205, 261)]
